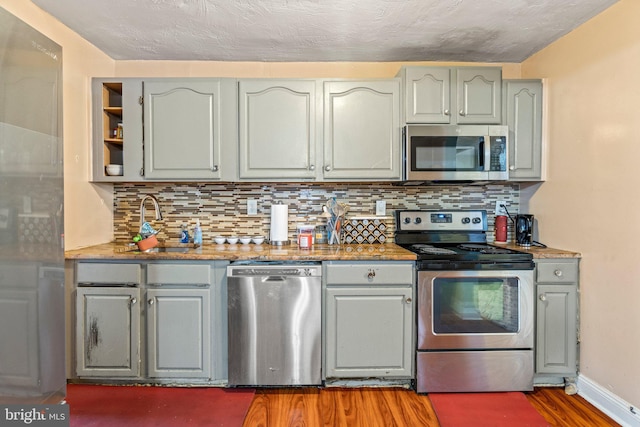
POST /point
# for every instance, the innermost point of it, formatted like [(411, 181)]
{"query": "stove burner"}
[(484, 249), (428, 249)]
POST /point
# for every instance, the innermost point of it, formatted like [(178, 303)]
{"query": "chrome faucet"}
[(155, 205)]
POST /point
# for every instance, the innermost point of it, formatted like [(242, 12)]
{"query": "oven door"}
[(475, 310)]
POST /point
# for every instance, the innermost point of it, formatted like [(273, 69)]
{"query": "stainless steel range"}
[(475, 304)]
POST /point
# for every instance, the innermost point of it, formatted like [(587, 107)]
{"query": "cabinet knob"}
[(512, 168), (462, 113), (371, 274), (327, 168), (447, 112), (151, 301), (312, 167), (543, 297), (133, 300), (408, 300), (215, 168), (558, 273)]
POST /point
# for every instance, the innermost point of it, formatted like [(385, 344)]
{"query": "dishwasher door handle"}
[(274, 279)]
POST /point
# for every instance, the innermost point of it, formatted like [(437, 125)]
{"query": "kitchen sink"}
[(159, 249)]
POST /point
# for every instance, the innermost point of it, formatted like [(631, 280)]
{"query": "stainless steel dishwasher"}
[(274, 324)]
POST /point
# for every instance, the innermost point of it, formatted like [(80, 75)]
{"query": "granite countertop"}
[(263, 252), (539, 252)]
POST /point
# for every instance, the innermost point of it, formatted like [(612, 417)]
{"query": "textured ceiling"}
[(323, 30)]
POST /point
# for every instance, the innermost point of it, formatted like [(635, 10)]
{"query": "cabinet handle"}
[(327, 168), (312, 167), (558, 273), (408, 300), (543, 297), (371, 274), (462, 113), (512, 168), (133, 300), (447, 113), (150, 301), (215, 168)]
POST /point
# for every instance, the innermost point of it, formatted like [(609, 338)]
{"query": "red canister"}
[(501, 229)]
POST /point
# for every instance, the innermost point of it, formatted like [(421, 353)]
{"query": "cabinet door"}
[(556, 335), (107, 332), (427, 95), (277, 129), (362, 130), (478, 95), (178, 333), (182, 129), (522, 112), (368, 332)]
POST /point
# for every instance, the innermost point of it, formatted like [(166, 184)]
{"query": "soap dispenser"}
[(184, 234), (197, 233)]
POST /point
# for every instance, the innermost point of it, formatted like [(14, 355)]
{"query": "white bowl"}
[(114, 170), (245, 240), (258, 239), (232, 240), (219, 240)]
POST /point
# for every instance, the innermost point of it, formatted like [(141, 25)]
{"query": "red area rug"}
[(109, 406), (510, 409)]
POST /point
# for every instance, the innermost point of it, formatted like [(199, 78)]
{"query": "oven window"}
[(476, 305), (447, 153)]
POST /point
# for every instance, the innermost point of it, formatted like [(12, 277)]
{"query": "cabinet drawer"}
[(557, 271), (108, 273), (178, 274), (369, 274)]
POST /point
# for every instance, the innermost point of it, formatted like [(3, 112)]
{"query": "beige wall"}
[(88, 208), (591, 202)]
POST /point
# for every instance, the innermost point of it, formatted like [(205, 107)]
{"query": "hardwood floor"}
[(385, 407)]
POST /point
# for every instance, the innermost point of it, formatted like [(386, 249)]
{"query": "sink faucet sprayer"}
[(155, 205)]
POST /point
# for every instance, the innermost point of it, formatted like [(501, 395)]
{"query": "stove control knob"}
[(466, 220), (476, 220), (418, 220), (407, 220)]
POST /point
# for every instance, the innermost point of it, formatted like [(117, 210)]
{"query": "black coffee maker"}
[(524, 230)]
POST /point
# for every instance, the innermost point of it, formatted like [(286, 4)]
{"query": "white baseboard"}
[(622, 412)]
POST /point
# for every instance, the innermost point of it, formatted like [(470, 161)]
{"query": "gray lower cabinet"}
[(522, 112), (155, 321), (557, 318), (368, 320), (108, 331)]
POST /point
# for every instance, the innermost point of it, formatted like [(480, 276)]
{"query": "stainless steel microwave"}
[(455, 153)]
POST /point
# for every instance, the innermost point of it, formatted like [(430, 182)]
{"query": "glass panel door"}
[(447, 153), (476, 305)]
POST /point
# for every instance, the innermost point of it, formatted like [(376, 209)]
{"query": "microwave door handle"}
[(486, 161)]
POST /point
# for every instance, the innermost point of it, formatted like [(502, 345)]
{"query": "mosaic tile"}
[(222, 207)]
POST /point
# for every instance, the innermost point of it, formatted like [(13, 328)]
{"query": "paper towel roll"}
[(279, 223)]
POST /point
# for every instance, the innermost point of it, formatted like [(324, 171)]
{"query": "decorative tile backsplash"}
[(222, 208)]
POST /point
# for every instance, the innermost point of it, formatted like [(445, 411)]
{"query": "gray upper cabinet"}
[(522, 112), (117, 101), (362, 130), (278, 121), (452, 95), (185, 123)]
